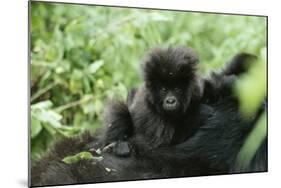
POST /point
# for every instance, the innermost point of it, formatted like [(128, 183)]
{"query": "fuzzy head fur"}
[(170, 79)]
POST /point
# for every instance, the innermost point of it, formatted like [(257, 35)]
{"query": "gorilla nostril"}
[(171, 101)]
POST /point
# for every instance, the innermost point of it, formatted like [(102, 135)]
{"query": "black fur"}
[(211, 150), (164, 110), (220, 83)]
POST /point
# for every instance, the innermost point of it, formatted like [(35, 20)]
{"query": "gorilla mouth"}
[(170, 107)]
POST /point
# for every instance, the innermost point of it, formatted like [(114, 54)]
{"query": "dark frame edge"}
[(147, 8), (29, 92)]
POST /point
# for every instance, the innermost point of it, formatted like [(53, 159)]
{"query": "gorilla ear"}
[(190, 57), (188, 70)]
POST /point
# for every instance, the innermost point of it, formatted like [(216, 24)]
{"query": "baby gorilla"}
[(166, 109)]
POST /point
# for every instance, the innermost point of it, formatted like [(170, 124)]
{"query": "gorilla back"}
[(213, 149)]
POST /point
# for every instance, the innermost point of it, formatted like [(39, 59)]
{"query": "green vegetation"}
[(81, 56), (81, 156), (252, 143)]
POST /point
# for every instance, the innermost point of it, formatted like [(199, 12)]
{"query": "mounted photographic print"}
[(122, 93)]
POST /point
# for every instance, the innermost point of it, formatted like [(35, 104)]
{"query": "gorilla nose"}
[(171, 100)]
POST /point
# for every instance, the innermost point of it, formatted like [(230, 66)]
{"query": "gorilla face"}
[(170, 98), (168, 75)]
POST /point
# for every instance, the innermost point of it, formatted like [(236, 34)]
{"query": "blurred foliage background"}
[(81, 56)]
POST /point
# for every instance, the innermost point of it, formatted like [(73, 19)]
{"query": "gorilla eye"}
[(163, 89), (178, 90)]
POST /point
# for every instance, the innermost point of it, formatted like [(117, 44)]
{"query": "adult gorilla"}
[(213, 149)]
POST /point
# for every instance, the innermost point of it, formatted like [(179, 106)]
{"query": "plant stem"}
[(71, 104), (42, 91)]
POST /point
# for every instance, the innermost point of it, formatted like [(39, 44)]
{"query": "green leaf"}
[(49, 128), (36, 126), (80, 156), (42, 105), (252, 143), (251, 89), (95, 66), (159, 17), (69, 130), (50, 117)]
